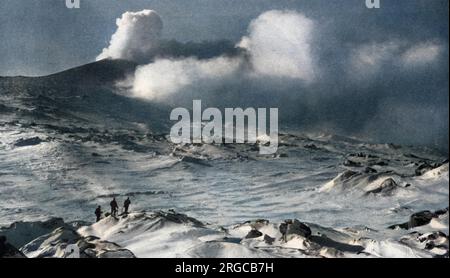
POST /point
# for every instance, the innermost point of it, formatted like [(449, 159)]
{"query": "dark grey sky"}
[(42, 36)]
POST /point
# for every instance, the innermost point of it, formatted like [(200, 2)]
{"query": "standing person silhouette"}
[(126, 205), (98, 213), (114, 207)]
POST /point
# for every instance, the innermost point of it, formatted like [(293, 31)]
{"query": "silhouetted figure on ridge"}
[(283, 229), (114, 207), (126, 205), (98, 213)]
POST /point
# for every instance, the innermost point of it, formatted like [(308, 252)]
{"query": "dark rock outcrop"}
[(294, 227), (387, 187), (370, 170), (269, 240), (351, 163), (419, 219), (253, 234), (425, 167), (28, 142), (179, 218), (348, 174), (441, 211), (311, 147), (195, 160)]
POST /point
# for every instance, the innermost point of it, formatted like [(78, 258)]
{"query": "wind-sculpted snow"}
[(67, 147), (170, 234)]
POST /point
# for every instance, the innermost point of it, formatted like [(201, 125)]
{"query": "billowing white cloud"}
[(279, 43), (285, 59), (136, 38), (278, 46), (165, 77), (371, 60), (422, 54)]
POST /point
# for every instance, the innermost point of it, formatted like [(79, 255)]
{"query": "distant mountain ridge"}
[(100, 73), (87, 93)]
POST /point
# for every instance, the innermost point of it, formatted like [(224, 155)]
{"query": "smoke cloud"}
[(136, 38), (278, 46), (386, 88), (279, 43), (165, 77), (370, 60)]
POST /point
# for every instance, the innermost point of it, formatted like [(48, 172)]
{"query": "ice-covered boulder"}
[(294, 227), (387, 187), (20, 233), (65, 243), (423, 218), (155, 234)]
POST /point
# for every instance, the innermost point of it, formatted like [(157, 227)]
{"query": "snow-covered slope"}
[(67, 146), (170, 234)]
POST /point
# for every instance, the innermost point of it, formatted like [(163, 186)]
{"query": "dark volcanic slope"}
[(80, 96), (100, 73)]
